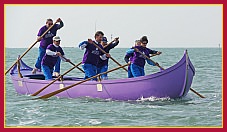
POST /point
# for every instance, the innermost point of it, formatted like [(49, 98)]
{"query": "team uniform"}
[(103, 64), (137, 60), (91, 58), (45, 41), (50, 59)]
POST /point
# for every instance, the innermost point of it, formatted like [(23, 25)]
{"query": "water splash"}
[(152, 99)]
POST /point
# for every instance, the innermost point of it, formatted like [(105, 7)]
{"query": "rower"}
[(92, 55), (137, 61), (103, 64), (50, 58)]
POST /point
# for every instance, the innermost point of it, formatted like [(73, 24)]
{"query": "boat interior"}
[(42, 77)]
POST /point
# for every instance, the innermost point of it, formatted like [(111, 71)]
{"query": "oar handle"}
[(153, 55), (30, 48), (68, 87), (110, 57), (111, 42), (48, 29), (36, 93)]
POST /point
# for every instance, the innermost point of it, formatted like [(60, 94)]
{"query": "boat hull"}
[(173, 82)]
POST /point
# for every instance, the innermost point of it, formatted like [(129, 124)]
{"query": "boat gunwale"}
[(121, 80)]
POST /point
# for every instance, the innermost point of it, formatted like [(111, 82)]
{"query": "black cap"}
[(144, 38)]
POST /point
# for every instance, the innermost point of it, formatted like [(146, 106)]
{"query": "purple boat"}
[(173, 82)]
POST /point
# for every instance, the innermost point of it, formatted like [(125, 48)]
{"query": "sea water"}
[(190, 111)]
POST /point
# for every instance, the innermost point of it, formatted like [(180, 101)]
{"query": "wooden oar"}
[(110, 42), (164, 69), (77, 66), (109, 57), (152, 55), (30, 47), (68, 87), (150, 59), (74, 64), (201, 96), (36, 93)]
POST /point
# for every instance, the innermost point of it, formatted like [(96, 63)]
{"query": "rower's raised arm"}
[(83, 45)]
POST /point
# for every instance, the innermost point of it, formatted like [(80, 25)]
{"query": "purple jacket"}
[(47, 38), (50, 60), (91, 54), (137, 58)]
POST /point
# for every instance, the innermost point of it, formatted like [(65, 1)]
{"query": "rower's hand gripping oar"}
[(156, 64), (164, 69), (116, 39), (106, 53), (73, 85), (30, 47), (152, 55)]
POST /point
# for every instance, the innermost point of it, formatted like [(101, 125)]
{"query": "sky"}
[(166, 26)]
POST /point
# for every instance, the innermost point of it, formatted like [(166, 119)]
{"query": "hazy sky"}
[(165, 25)]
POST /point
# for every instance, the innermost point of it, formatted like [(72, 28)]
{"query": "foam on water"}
[(151, 99)]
